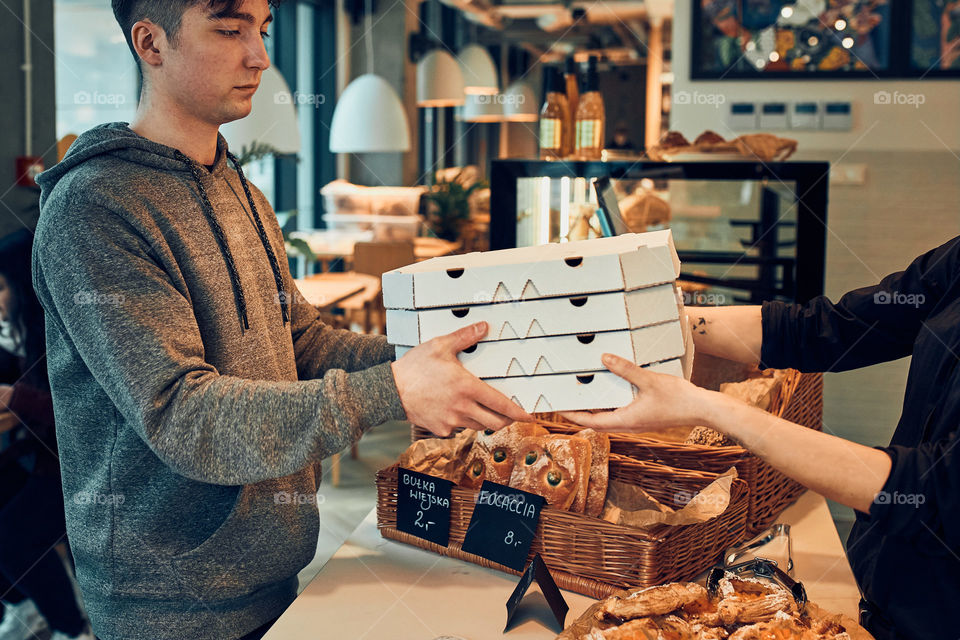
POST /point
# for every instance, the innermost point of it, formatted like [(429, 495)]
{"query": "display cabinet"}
[(745, 231)]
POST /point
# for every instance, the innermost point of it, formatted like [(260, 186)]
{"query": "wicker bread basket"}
[(589, 555)]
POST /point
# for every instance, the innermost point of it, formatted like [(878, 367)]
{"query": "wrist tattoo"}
[(700, 326)]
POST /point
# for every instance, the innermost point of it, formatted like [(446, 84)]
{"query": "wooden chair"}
[(375, 259)]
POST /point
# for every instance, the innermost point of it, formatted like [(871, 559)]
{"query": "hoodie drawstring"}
[(225, 249)]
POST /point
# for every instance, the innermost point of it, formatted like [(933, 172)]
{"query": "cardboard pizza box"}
[(621, 263), (576, 391), (591, 313), (571, 353)]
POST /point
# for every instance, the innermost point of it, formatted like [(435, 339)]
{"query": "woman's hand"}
[(662, 401)]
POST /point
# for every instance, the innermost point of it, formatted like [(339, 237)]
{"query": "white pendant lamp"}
[(439, 80), (519, 103), (479, 72), (272, 119), (369, 115), (482, 108), (369, 118)]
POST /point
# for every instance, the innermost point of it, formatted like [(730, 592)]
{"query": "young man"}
[(195, 391), (904, 546)]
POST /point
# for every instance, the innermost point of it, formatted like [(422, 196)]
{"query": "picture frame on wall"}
[(803, 39)]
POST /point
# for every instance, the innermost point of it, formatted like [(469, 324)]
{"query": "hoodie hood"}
[(119, 140)]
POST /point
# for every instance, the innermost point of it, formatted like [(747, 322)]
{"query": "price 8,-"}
[(503, 524)]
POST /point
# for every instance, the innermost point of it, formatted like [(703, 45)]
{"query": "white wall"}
[(931, 126)]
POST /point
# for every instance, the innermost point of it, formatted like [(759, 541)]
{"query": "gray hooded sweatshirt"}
[(195, 391)]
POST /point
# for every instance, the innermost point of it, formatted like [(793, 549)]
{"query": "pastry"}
[(746, 601), (708, 437), (652, 601), (667, 628), (592, 501), (766, 146), (709, 137), (674, 139), (555, 467), (782, 628)]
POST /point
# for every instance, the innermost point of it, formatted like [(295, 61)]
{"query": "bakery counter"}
[(376, 588)]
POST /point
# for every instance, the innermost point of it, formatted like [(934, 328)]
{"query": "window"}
[(97, 79)]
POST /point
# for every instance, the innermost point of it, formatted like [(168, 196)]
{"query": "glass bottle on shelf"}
[(591, 117), (553, 116), (573, 98)]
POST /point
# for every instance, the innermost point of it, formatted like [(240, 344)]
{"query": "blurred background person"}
[(35, 588)]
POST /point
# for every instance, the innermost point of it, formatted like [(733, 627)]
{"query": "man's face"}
[(215, 67)]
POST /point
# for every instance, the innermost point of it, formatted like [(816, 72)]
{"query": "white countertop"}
[(376, 588)]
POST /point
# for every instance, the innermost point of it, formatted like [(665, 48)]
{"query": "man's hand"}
[(6, 394), (439, 394), (662, 401)]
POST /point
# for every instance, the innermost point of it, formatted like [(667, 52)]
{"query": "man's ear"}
[(148, 40)]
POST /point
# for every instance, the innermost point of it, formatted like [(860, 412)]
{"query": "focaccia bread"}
[(500, 448), (592, 501), (654, 601), (475, 469), (555, 467)]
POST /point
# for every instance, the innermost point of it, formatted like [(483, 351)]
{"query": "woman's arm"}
[(734, 333), (846, 472)]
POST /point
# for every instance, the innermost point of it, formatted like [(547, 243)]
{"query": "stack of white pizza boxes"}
[(553, 311)]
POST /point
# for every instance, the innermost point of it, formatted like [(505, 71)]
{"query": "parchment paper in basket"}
[(773, 544), (630, 505)]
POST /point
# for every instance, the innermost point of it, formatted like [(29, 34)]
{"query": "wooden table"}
[(326, 291), (376, 588), (330, 246)]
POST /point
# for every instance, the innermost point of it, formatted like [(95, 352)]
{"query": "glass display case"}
[(745, 231)]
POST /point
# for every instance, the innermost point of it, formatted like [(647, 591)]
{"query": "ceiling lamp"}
[(479, 72), (439, 80), (369, 115), (519, 103), (369, 118)]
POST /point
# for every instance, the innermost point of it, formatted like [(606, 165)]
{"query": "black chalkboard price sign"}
[(423, 506), (503, 524)]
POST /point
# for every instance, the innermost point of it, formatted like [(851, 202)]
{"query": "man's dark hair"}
[(167, 14)]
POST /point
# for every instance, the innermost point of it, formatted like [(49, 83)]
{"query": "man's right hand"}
[(439, 394)]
